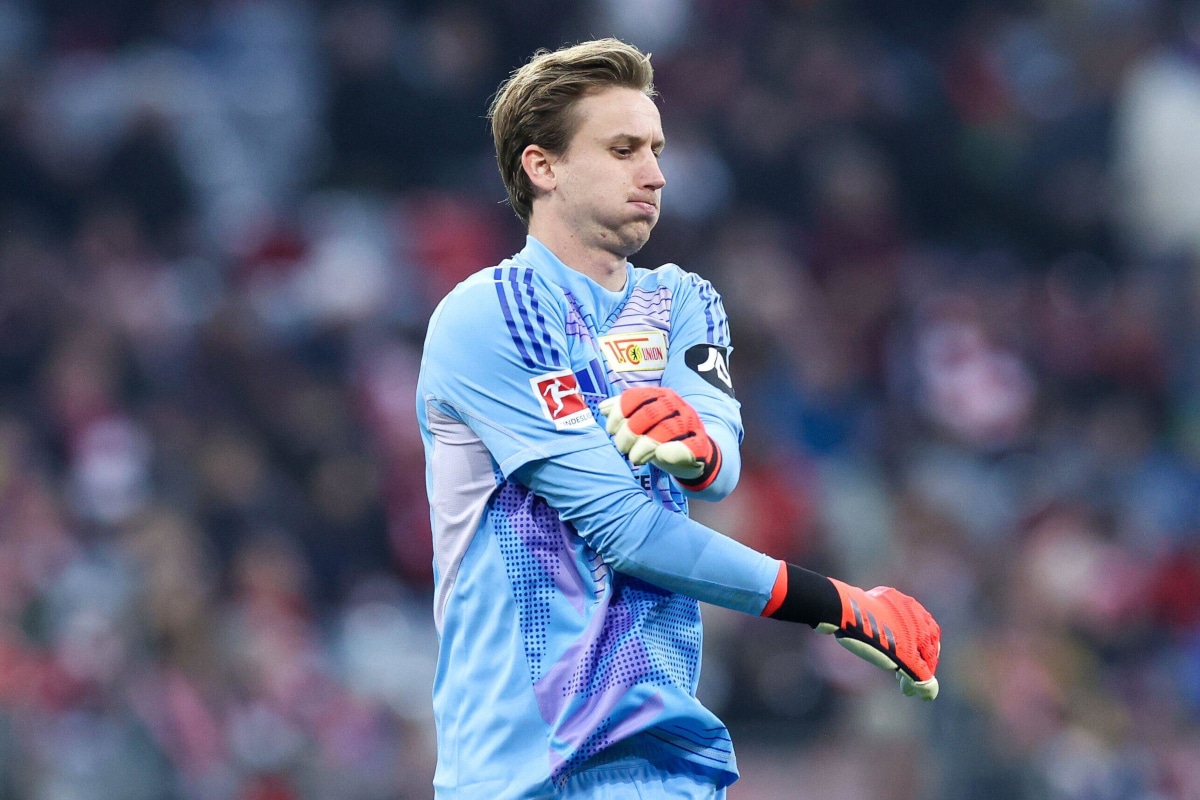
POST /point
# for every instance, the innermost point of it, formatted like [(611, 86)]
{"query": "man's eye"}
[(623, 151)]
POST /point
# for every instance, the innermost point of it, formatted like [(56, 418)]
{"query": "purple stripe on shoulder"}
[(519, 300), (527, 279), (508, 317), (705, 295)]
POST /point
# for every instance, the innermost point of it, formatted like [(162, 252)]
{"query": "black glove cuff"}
[(811, 598)]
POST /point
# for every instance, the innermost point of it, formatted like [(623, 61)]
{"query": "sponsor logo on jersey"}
[(561, 401), (711, 362), (635, 352)]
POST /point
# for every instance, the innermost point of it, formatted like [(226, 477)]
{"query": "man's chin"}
[(630, 241)]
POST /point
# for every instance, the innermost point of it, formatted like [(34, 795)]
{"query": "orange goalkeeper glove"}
[(657, 426), (892, 631), (883, 626)]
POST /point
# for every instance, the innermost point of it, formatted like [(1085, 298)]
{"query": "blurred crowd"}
[(959, 243)]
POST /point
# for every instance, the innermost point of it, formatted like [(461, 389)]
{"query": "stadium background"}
[(958, 244)]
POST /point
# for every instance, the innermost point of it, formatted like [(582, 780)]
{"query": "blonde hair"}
[(535, 104)]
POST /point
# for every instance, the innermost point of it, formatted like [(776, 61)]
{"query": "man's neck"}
[(605, 268)]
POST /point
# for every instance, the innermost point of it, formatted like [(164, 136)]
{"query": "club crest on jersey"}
[(562, 402), (641, 351)]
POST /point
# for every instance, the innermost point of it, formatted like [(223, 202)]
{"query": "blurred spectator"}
[(1159, 108)]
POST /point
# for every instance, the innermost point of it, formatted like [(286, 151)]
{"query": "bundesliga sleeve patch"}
[(561, 401), (711, 362)]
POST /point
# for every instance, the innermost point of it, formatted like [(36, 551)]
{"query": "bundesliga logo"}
[(561, 401)]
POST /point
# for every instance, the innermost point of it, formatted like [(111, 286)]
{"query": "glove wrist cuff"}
[(711, 467), (801, 595)]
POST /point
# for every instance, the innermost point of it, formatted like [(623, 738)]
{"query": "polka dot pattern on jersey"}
[(534, 548), (649, 635)]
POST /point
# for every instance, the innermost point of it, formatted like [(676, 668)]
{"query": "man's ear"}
[(539, 166)]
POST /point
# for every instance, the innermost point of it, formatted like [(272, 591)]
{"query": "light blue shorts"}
[(635, 779)]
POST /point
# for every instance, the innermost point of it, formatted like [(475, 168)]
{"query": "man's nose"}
[(652, 177)]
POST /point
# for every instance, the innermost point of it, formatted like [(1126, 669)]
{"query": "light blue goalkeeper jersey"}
[(566, 581)]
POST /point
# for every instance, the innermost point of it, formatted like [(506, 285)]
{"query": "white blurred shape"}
[(111, 470), (389, 655), (981, 392), (699, 182), (655, 26), (346, 279), (1157, 160)]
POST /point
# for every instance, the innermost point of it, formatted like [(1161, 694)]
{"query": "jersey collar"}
[(593, 299)]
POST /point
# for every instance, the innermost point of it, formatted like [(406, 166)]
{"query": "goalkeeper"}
[(571, 405)]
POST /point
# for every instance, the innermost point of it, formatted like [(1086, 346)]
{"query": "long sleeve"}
[(592, 490)]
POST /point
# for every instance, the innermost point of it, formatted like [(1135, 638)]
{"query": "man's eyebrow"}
[(635, 140)]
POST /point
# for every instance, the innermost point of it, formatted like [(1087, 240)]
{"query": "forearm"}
[(636, 536)]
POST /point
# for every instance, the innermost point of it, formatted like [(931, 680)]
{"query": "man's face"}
[(609, 186)]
